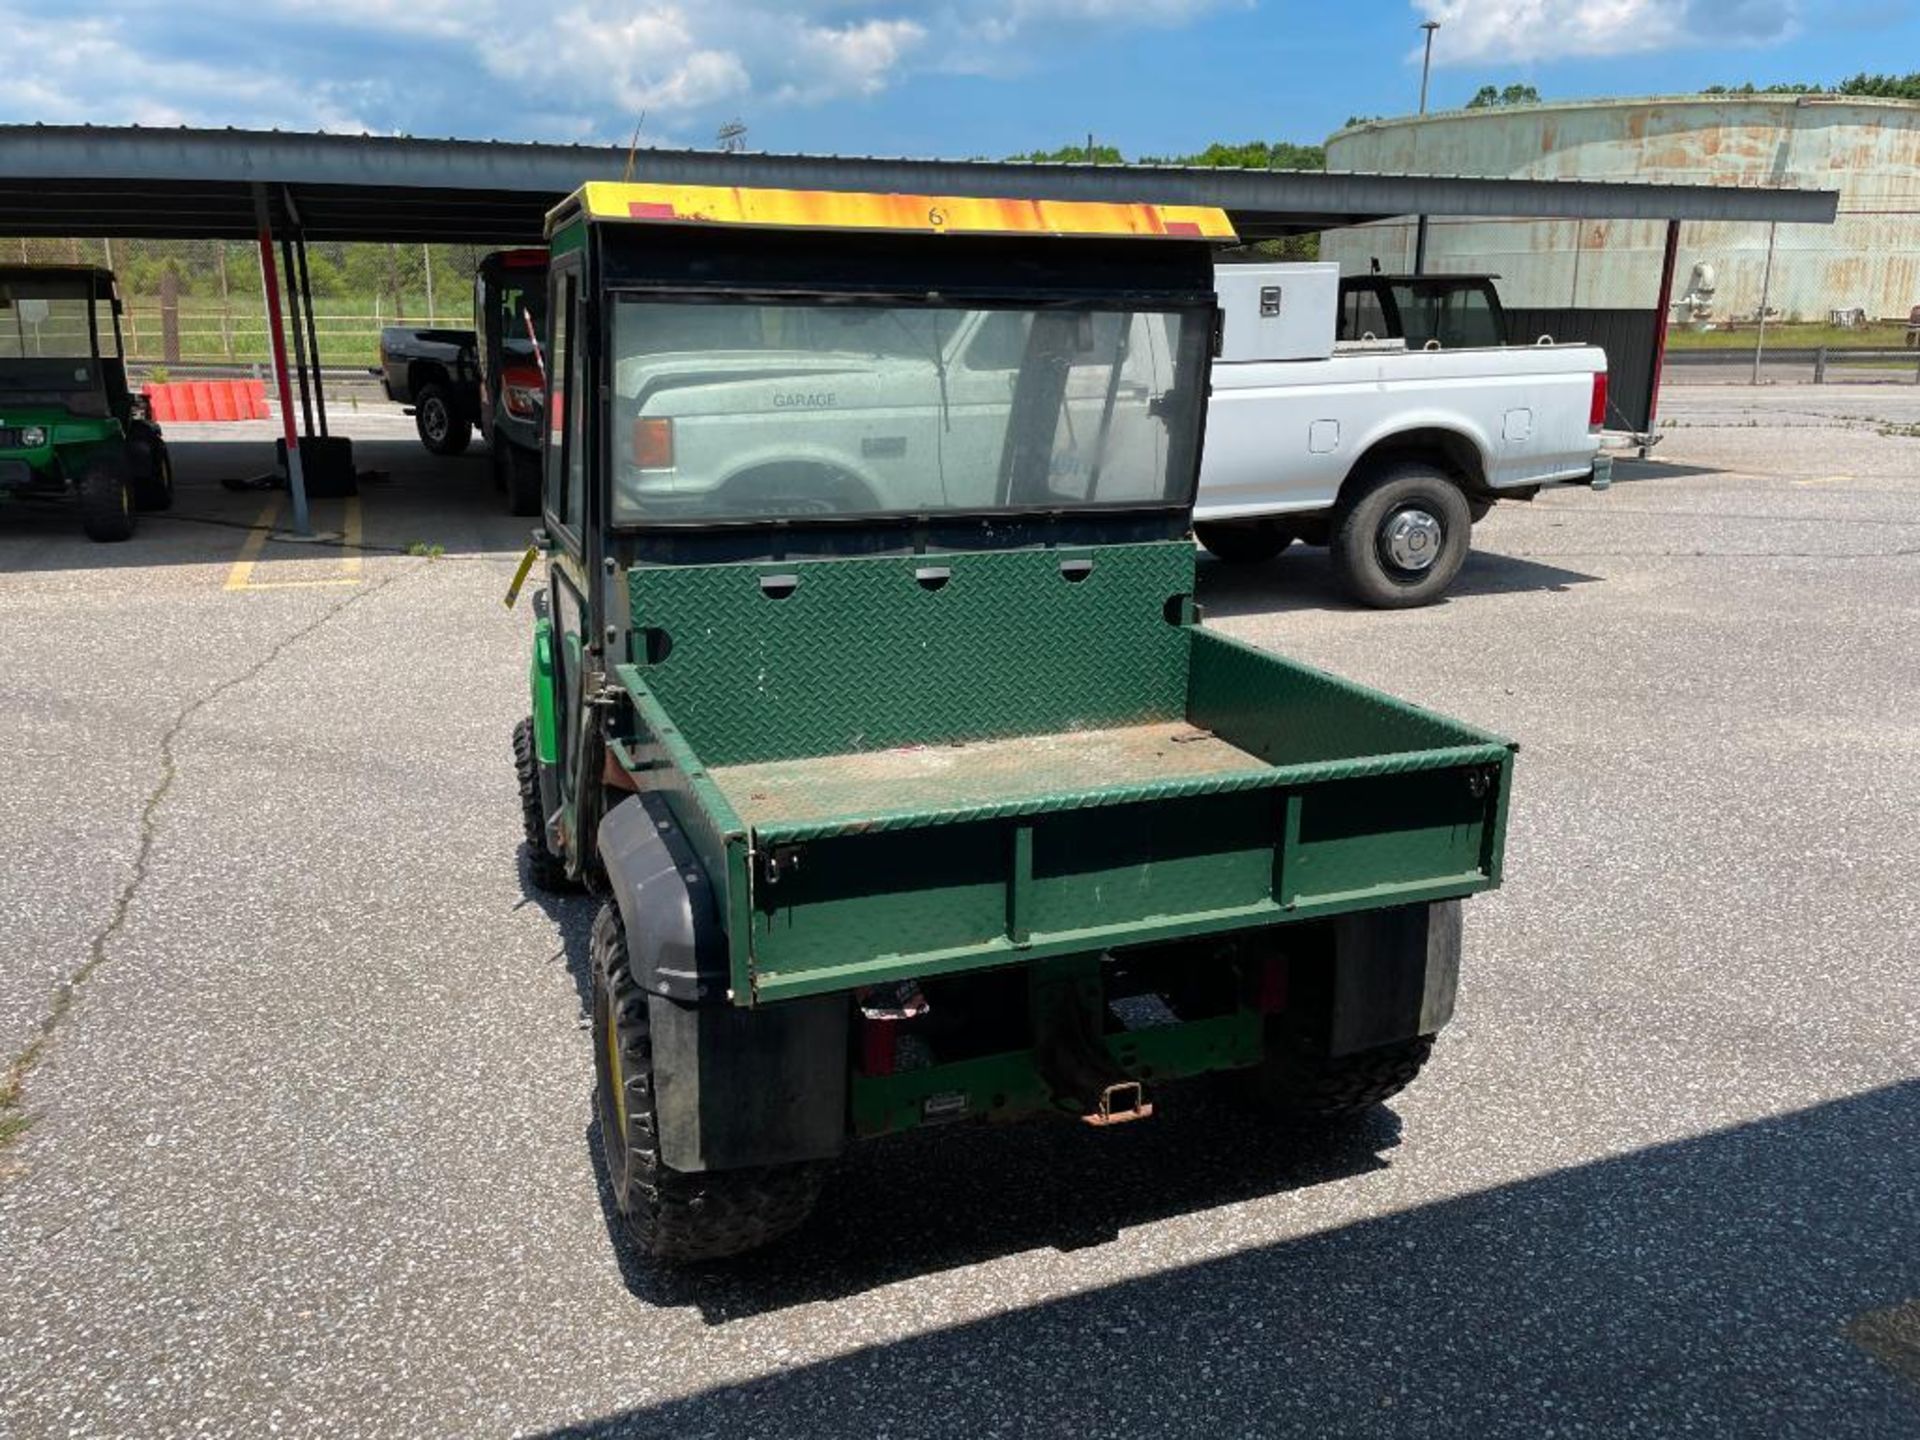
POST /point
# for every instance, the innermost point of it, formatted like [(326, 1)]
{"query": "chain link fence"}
[(1752, 303), (197, 305)]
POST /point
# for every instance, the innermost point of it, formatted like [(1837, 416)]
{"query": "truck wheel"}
[(671, 1215), (1401, 536), (1294, 1083), (522, 472), (106, 499), (1243, 542), (444, 427), (545, 869), (152, 473)]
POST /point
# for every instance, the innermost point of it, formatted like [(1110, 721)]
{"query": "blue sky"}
[(894, 77)]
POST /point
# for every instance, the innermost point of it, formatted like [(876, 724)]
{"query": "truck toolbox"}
[(930, 793)]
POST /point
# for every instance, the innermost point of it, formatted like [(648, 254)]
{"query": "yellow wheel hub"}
[(616, 1076)]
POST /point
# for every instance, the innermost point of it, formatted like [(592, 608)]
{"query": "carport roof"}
[(136, 181)]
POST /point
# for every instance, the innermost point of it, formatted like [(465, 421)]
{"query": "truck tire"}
[(106, 499), (1400, 535), (1243, 542), (670, 1215), (545, 869), (1297, 1084), (444, 427), (152, 469), (521, 473)]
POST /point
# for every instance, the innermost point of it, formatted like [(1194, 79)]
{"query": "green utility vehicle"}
[(70, 429), (917, 793)]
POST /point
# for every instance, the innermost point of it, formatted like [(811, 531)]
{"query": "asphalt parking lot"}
[(309, 1147)]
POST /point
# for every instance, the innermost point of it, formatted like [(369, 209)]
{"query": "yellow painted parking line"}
[(1825, 480), (242, 571), (240, 577)]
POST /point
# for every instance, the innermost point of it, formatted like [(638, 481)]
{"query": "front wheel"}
[(670, 1214), (1243, 542), (1401, 536), (152, 473), (442, 425), (546, 870), (106, 500)]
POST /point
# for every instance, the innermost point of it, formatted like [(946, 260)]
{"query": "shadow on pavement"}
[(1628, 472), (407, 497), (1708, 1286), (1302, 579), (930, 1201)]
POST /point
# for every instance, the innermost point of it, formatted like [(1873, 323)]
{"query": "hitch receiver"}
[(1120, 1102)]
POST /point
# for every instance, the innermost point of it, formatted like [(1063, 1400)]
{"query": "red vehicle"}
[(510, 316), (489, 376)]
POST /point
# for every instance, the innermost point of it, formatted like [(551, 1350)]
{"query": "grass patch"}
[(1790, 335)]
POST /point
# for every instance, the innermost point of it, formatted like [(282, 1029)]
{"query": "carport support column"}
[(296, 479), (1668, 260)]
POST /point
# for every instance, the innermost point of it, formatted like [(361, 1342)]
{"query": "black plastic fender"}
[(1394, 975), (734, 1085), (676, 943)]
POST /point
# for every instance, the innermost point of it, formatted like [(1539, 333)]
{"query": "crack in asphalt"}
[(14, 1119)]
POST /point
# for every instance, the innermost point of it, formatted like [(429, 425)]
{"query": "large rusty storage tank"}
[(1867, 149)]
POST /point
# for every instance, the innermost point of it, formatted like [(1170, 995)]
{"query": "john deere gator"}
[(869, 691)]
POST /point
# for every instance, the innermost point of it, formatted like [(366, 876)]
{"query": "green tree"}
[(1075, 155), (1492, 97)]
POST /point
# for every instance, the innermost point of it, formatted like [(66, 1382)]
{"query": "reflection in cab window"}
[(738, 411)]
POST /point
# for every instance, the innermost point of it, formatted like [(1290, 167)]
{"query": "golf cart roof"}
[(617, 203), (99, 277)]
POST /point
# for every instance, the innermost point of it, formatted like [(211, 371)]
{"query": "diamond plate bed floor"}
[(980, 772)]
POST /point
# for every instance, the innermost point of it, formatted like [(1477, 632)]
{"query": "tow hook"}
[(1120, 1102)]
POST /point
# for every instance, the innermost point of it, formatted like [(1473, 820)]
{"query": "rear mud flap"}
[(1394, 975), (735, 1087)]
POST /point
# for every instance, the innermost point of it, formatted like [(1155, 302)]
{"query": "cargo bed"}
[(1187, 784)]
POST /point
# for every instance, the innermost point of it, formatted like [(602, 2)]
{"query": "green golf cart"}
[(71, 431), (869, 690)]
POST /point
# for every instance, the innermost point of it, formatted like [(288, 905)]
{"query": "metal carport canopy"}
[(143, 182)]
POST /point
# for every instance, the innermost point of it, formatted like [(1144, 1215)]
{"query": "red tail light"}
[(1597, 410), (653, 444), (521, 391)]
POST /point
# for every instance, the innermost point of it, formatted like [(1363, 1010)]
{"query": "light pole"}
[(1426, 67)]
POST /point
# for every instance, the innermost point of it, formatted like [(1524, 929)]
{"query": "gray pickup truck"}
[(490, 376), (436, 374)]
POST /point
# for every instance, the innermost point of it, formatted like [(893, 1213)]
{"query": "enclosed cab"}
[(871, 694), (510, 322)]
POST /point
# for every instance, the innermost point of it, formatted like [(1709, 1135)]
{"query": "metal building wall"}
[(1867, 149)]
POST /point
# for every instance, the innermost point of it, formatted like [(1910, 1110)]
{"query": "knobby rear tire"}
[(671, 1215), (1295, 1084)]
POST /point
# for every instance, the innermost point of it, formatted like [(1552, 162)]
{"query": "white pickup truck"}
[(1383, 453)]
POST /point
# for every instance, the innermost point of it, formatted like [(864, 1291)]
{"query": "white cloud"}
[(575, 68), (1477, 31)]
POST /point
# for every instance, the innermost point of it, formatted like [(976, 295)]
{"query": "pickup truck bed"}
[(1166, 780)]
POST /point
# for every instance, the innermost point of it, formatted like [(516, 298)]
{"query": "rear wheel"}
[(545, 869), (1401, 535), (443, 426), (671, 1215), (106, 499), (152, 473), (1295, 1083), (1243, 542)]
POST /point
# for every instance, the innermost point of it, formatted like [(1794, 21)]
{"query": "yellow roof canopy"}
[(916, 214)]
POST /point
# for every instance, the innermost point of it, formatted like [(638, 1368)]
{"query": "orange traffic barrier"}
[(193, 400)]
